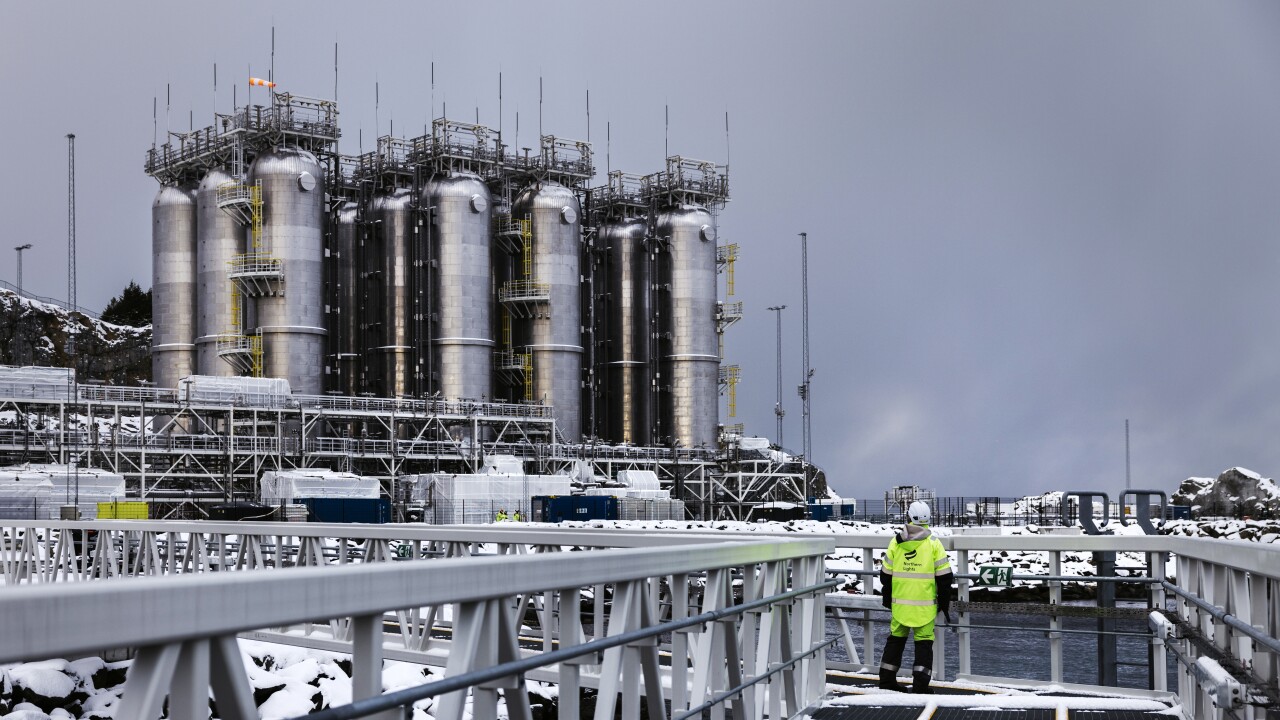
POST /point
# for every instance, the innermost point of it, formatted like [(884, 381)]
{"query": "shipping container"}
[(555, 509), (348, 510)]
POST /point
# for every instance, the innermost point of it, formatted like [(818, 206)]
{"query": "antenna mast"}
[(71, 223), (805, 390), (71, 308)]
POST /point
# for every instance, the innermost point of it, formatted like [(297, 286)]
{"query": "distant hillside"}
[(1237, 492), (35, 333)]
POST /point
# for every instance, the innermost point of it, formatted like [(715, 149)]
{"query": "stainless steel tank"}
[(173, 285), (630, 414), (463, 287), (690, 364), (345, 338), (292, 323), (219, 238), (392, 216), (555, 331)]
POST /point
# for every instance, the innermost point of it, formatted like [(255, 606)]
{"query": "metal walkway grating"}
[(883, 712), (868, 713), (855, 696)]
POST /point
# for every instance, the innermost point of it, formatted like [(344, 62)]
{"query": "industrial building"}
[(435, 300)]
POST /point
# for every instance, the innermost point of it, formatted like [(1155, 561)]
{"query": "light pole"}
[(20, 248), (777, 407)]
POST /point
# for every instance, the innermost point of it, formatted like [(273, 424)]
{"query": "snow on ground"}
[(1015, 700)]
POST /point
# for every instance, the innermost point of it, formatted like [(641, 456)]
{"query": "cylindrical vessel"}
[(344, 340), (629, 417), (292, 322), (463, 289), (219, 238), (392, 216), (173, 283), (690, 365), (555, 332)]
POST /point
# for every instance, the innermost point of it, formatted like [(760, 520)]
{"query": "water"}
[(1023, 654)]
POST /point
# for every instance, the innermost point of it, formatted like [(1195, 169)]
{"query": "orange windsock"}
[(261, 83)]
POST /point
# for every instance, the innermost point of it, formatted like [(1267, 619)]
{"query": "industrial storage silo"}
[(463, 287), (219, 238), (345, 338), (629, 418), (390, 311), (555, 331), (690, 362), (173, 283), (292, 321)]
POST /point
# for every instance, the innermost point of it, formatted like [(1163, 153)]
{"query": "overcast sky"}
[(1028, 222)]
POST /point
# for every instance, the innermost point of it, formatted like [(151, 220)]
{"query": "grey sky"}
[(1027, 221)]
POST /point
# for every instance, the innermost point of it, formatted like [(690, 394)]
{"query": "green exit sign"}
[(995, 576)]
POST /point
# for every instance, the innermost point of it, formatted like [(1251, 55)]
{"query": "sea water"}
[(1021, 654)]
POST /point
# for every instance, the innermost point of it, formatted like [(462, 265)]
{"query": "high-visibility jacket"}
[(916, 565)]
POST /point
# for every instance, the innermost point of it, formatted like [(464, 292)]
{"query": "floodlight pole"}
[(19, 249), (777, 407)]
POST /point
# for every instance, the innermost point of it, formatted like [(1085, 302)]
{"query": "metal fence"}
[(741, 622), (961, 511), (49, 300)]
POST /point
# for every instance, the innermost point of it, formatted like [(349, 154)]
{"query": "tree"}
[(131, 307)]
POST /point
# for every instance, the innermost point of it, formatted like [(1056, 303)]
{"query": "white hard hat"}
[(918, 513)]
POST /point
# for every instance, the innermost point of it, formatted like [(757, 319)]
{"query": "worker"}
[(916, 579), (517, 517), (502, 515)]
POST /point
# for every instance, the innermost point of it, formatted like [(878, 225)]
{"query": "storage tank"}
[(392, 361), (463, 343), (219, 238), (629, 418), (173, 283), (690, 362), (292, 323), (555, 333), (345, 339)]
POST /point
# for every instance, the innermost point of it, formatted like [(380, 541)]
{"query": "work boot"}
[(922, 672), (890, 660)]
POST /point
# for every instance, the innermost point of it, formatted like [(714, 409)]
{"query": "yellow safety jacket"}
[(914, 561)]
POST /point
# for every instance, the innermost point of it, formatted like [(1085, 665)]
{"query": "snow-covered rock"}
[(1237, 492), (35, 333)]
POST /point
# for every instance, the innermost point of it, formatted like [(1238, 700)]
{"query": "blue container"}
[(822, 512), (348, 510), (559, 508)]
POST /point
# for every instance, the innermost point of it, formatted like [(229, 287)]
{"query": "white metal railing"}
[(262, 265), (1218, 611), (1227, 579), (524, 291), (185, 626)]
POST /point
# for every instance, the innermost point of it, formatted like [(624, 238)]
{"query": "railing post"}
[(1157, 659), (964, 642), (366, 660), (679, 645), (868, 628), (570, 670), (1265, 616), (189, 692), (1055, 620)]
